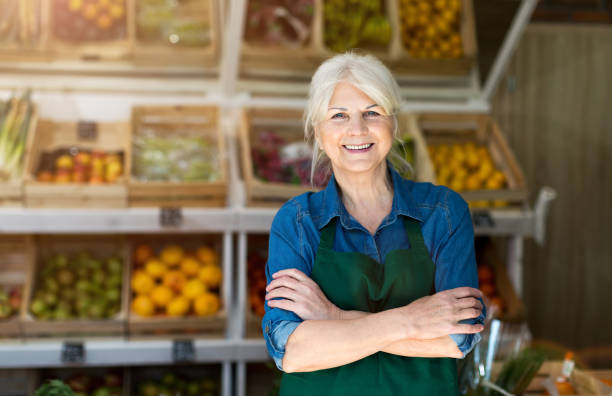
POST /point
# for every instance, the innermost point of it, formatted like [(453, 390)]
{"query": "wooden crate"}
[(22, 49), (258, 244), (487, 254), (115, 49), (170, 120), (111, 137), (481, 129), (169, 54), (16, 255), (99, 247), (42, 375), (11, 190), (274, 61), (286, 123), (585, 383), (211, 326)]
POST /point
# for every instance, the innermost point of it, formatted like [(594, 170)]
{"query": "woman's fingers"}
[(468, 302), (463, 292), (468, 313), (282, 292), (285, 281), (461, 328), (287, 305), (292, 272)]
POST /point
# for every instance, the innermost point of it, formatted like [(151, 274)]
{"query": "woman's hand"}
[(439, 314), (301, 295)]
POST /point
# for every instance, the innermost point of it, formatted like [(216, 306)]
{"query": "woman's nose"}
[(357, 126)]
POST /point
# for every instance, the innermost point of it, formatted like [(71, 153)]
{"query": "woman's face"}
[(356, 133)]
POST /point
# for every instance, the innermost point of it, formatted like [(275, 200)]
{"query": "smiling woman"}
[(372, 281)]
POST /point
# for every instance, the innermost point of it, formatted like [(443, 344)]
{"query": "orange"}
[(142, 253), (143, 306), (194, 288), (207, 304), (190, 266), (211, 276), (155, 268), (207, 256), (162, 295), (472, 182), (172, 255), (142, 283), (179, 306), (175, 280)]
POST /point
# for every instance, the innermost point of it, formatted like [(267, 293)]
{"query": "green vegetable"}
[(517, 373), (54, 388), (15, 118)]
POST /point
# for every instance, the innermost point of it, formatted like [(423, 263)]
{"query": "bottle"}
[(563, 384)]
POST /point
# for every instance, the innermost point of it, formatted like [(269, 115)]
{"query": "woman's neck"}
[(367, 196)]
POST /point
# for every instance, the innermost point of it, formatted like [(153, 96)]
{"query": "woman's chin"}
[(358, 165)]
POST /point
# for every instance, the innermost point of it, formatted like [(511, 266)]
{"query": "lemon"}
[(155, 268), (162, 295), (175, 280), (172, 255), (211, 276), (179, 306), (207, 304), (193, 289), (143, 306), (207, 256), (142, 283), (190, 266)]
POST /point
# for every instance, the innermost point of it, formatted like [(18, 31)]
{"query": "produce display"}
[(171, 384), (175, 282), (175, 156), (79, 286), (256, 270), (10, 301), (20, 22), (84, 384), (180, 23), (15, 119), (351, 24), (466, 167), (89, 20), (279, 22), (486, 283), (431, 28), (276, 160), (74, 165)]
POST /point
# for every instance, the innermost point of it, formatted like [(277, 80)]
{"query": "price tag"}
[(87, 130), (482, 218), (73, 353), (183, 351), (170, 217)]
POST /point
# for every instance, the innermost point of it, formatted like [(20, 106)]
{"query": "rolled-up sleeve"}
[(455, 261), (285, 251)]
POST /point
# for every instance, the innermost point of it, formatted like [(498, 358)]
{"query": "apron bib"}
[(355, 281)]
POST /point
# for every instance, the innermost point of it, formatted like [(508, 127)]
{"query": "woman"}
[(371, 282)]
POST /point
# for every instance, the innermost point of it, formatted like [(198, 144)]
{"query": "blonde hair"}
[(367, 74)]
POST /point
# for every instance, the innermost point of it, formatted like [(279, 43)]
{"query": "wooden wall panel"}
[(555, 106)]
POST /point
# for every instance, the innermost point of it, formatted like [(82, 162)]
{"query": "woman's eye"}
[(371, 114), (338, 116)]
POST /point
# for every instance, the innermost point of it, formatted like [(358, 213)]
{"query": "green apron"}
[(355, 281)]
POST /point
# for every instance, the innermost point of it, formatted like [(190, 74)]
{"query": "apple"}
[(45, 176), (83, 158), (63, 176)]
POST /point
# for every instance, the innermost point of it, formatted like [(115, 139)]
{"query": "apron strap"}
[(328, 234), (415, 236)]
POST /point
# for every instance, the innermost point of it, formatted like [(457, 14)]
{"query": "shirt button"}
[(267, 329)]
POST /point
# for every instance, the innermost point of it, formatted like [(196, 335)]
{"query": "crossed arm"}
[(420, 329)]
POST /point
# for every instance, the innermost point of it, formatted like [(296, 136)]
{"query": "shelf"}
[(118, 352)]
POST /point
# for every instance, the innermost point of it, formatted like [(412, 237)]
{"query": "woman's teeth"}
[(361, 147)]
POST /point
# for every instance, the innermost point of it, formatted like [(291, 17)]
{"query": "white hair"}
[(366, 73)]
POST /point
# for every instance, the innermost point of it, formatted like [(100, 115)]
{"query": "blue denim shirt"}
[(446, 226)]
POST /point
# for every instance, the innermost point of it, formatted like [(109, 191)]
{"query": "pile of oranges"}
[(430, 28), (175, 283), (466, 167)]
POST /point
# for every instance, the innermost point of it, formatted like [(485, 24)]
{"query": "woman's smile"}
[(356, 149)]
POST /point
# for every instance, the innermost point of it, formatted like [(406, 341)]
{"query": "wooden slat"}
[(555, 110)]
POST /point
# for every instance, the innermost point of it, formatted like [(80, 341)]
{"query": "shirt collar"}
[(403, 203)]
